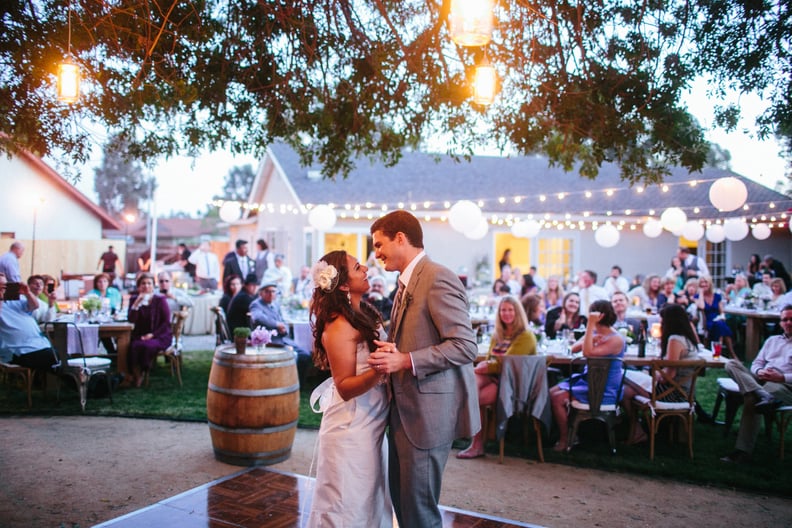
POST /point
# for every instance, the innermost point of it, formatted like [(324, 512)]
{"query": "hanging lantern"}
[(68, 82), (715, 233), (693, 230), (470, 22), (322, 217), (485, 83), (480, 231), (673, 219), (464, 216), (230, 212), (652, 228), (735, 229), (607, 235), (526, 229), (728, 194), (761, 232)]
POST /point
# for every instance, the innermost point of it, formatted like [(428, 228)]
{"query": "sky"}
[(188, 185)]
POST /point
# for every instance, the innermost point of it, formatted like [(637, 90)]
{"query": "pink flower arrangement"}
[(261, 336)]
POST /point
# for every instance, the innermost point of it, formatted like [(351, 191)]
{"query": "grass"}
[(164, 399)]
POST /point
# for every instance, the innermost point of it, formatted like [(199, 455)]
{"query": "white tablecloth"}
[(200, 321)]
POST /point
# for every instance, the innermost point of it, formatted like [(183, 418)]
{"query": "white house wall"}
[(60, 217)]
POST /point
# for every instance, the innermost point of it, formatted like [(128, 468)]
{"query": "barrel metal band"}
[(277, 391), (241, 365), (262, 430)]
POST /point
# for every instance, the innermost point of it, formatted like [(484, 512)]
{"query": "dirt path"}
[(68, 471)]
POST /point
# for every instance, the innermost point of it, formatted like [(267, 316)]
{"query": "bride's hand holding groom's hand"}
[(386, 359)]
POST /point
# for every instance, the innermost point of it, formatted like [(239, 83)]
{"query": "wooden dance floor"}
[(258, 497)]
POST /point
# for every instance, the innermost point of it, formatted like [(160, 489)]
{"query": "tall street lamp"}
[(38, 202), (128, 219)]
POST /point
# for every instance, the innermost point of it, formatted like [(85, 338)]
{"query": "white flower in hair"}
[(325, 276)]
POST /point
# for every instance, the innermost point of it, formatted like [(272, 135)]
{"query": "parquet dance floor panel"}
[(258, 497)]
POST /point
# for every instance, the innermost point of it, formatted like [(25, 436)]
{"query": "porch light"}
[(485, 83), (470, 22)]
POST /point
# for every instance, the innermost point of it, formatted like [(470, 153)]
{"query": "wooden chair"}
[(76, 367), (784, 416), (222, 332), (8, 370), (597, 374), (522, 391), (655, 409), (173, 354)]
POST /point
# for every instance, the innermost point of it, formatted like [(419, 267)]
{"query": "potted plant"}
[(241, 334)]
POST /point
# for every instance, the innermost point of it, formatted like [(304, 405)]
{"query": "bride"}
[(351, 488)]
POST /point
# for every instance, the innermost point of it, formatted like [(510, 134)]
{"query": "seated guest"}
[(620, 304), (565, 317), (231, 285), (777, 290), (616, 282), (666, 292), (679, 342), (303, 286), (47, 307), (377, 298), (534, 309), (104, 290), (688, 294), (279, 274), (738, 289), (677, 272), (177, 298), (648, 293), (762, 290), (554, 293), (600, 340), (528, 285), (151, 316), (588, 290), (767, 384), (239, 306), (710, 303), (511, 338), (265, 312), (21, 340)]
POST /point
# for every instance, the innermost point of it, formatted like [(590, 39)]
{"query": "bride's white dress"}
[(351, 487)]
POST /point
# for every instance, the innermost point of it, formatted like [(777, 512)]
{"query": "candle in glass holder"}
[(657, 333)]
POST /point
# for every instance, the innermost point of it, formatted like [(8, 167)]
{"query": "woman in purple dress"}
[(150, 314)]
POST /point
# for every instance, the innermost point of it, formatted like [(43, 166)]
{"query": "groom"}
[(430, 358)]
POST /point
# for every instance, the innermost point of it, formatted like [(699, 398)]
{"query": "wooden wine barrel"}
[(253, 404)]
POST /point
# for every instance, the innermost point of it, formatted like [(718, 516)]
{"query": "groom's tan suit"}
[(438, 401)]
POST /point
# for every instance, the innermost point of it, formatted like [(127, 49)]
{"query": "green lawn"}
[(164, 399)]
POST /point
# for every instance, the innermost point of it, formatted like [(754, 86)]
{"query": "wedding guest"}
[(553, 294), (177, 298), (778, 269), (600, 340), (207, 266), (692, 265), (265, 259), (9, 262), (239, 306), (238, 262), (666, 294), (303, 286), (762, 290), (739, 289), (711, 304), (679, 342), (46, 310), (102, 288), (588, 290), (534, 309), (151, 316), (616, 282), (21, 340), (648, 293), (620, 305), (376, 297), (144, 261), (676, 272), (565, 317), (511, 338), (755, 268), (280, 275), (184, 260), (110, 263), (777, 291), (504, 264), (231, 286)]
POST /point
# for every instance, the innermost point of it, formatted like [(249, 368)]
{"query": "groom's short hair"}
[(400, 221)]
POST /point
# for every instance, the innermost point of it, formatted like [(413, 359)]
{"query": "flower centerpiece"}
[(260, 337), (91, 304)]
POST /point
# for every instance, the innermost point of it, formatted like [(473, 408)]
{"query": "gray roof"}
[(420, 177)]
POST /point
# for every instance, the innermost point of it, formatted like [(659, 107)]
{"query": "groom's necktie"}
[(397, 302)]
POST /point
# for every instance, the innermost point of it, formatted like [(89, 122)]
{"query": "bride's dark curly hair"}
[(327, 306)]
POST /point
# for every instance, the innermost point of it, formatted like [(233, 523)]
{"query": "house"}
[(507, 190), (60, 227)]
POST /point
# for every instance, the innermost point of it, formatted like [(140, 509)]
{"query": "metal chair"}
[(222, 332), (655, 409), (77, 367), (597, 373)]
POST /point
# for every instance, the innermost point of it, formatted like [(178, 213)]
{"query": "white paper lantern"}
[(693, 230), (715, 233), (464, 216), (735, 229), (322, 217), (230, 212), (480, 231), (760, 231), (728, 194), (607, 236), (673, 219), (652, 228), (526, 229)]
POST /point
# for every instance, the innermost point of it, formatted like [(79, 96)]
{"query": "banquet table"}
[(631, 358), (754, 326), (200, 320), (300, 329), (121, 331)]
